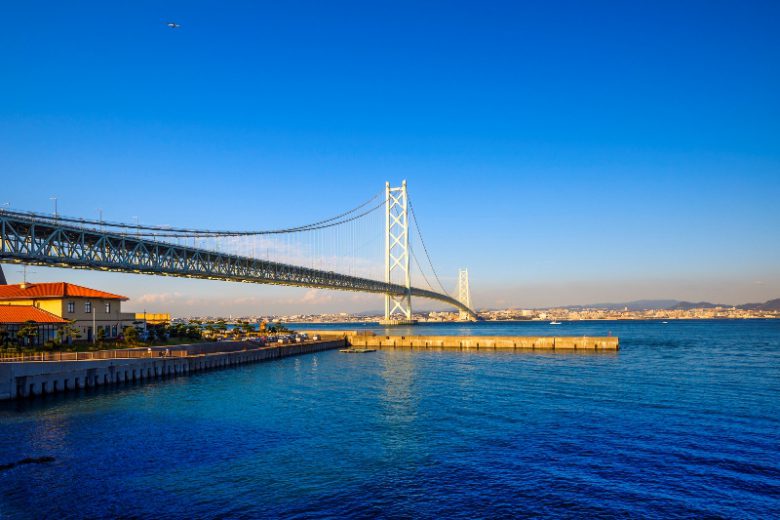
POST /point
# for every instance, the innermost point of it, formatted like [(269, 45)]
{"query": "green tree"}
[(151, 332), (71, 332), (59, 336), (131, 334), (164, 331), (27, 333), (100, 335), (181, 330), (5, 336), (210, 329), (194, 332)]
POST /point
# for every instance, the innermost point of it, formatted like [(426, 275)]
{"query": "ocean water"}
[(683, 422)]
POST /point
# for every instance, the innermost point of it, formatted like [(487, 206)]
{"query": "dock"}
[(370, 340)]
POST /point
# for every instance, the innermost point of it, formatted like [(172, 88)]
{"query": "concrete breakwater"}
[(565, 343), (31, 378)]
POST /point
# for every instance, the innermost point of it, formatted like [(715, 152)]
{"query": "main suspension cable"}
[(419, 233), (288, 231), (168, 231)]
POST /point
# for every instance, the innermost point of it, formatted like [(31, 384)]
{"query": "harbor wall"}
[(606, 343), (31, 378)]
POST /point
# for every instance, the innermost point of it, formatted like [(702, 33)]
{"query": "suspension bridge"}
[(335, 253)]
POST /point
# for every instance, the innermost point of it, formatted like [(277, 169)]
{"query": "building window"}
[(88, 307), (108, 307), (71, 307), (113, 331)]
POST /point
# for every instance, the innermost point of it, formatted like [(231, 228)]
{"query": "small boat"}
[(664, 322), (555, 322)]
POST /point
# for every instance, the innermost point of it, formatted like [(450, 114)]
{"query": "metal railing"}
[(90, 355), (157, 352)]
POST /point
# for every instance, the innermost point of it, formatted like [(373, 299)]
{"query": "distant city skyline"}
[(564, 153)]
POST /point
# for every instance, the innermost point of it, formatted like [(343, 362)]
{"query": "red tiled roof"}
[(22, 313), (53, 290)]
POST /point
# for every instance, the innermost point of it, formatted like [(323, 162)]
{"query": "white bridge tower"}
[(464, 294), (397, 255)]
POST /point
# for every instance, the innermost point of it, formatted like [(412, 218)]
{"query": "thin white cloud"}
[(155, 298)]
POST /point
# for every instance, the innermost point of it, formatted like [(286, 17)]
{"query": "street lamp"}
[(55, 205), (94, 328)]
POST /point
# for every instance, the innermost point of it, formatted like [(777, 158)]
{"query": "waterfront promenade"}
[(111, 367)]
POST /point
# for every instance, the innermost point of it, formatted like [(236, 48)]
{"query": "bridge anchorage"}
[(58, 241)]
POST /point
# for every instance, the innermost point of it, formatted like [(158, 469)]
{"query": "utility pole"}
[(24, 274)]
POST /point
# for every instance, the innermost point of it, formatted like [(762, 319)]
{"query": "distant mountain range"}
[(771, 305), (641, 305)]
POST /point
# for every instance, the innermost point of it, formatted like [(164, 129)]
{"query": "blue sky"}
[(565, 152)]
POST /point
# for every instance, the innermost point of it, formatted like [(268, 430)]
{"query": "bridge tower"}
[(464, 294), (397, 255)]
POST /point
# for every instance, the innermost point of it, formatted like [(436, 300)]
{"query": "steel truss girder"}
[(26, 240)]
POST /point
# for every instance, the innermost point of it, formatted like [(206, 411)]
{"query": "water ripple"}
[(683, 422)]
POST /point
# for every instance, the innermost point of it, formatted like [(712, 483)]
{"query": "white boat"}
[(555, 323)]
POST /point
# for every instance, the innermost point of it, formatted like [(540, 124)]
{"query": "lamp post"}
[(55, 206), (94, 328)]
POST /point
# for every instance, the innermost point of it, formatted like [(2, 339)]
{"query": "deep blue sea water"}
[(683, 422)]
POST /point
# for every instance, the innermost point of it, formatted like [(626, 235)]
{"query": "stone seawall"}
[(487, 342), (30, 378)]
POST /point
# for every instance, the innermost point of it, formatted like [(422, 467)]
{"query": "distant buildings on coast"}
[(553, 314)]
